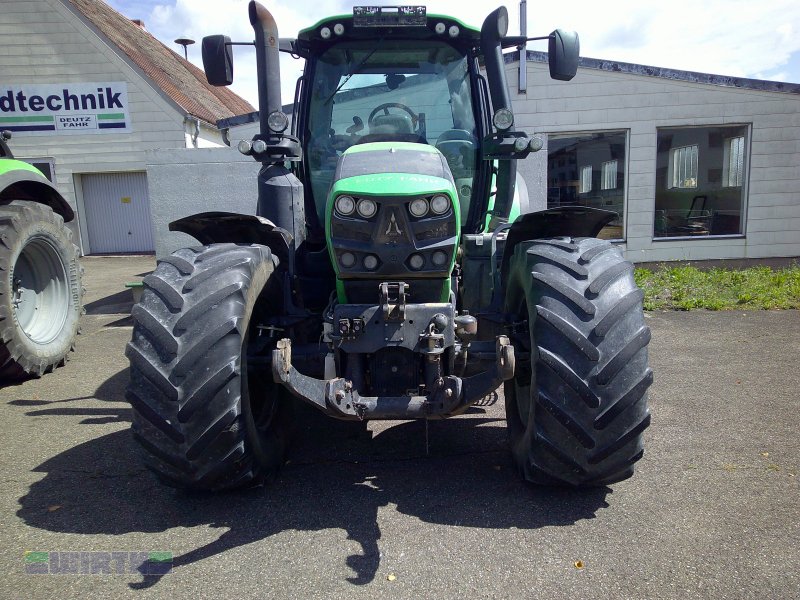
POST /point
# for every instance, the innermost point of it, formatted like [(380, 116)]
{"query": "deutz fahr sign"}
[(65, 108)]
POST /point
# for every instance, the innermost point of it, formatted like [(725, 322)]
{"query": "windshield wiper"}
[(354, 71)]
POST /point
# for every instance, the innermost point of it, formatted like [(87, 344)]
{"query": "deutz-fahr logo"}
[(393, 229)]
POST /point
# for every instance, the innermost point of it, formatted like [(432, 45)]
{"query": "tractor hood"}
[(392, 215)]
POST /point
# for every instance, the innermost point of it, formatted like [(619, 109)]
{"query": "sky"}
[(740, 38)]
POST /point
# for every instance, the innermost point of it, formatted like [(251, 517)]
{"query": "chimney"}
[(138, 23)]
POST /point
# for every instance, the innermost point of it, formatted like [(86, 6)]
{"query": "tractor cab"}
[(401, 90)]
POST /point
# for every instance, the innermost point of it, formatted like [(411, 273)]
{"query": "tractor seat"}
[(391, 124)]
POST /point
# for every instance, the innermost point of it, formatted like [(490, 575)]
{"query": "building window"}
[(608, 175), (586, 179), (700, 181), (683, 167), (733, 166), (600, 180), (45, 165)]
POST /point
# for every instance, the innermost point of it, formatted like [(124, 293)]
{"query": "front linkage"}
[(428, 333)]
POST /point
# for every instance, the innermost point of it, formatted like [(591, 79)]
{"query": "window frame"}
[(745, 188)]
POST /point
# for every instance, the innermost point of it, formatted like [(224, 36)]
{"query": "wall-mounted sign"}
[(65, 108)]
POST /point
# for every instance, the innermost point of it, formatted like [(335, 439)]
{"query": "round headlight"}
[(325, 32), (439, 258), (367, 208), (416, 262), (503, 119), (465, 190), (245, 146), (345, 205), (440, 204), (348, 259), (277, 121), (338, 29), (418, 207), (370, 262), (453, 31), (259, 146), (521, 144), (440, 28)]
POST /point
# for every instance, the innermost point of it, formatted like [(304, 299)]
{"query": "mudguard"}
[(224, 227), (573, 221), (21, 181)]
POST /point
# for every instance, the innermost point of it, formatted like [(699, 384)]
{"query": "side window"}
[(701, 177)]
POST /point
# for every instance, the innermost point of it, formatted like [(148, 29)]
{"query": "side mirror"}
[(218, 59), (563, 50)]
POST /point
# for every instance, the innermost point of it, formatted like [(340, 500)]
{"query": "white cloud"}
[(727, 37)]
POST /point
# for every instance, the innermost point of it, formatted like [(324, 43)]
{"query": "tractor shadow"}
[(466, 480), (112, 390)]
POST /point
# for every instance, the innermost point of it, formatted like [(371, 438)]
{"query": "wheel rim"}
[(40, 291)]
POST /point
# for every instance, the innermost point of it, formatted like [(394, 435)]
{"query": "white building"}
[(699, 166), (86, 92)]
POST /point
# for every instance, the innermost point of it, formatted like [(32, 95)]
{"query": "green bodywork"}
[(390, 184), (10, 164)]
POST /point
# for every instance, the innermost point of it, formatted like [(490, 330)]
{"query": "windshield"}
[(390, 91)]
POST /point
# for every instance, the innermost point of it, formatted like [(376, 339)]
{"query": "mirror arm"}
[(519, 40)]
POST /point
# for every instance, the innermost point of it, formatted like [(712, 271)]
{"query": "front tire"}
[(576, 411), (203, 418), (40, 290)]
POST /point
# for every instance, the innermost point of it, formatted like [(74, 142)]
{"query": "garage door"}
[(117, 213)]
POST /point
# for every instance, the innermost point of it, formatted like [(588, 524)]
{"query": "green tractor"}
[(394, 268), (40, 277)]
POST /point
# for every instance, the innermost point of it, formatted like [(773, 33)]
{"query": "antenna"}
[(185, 42)]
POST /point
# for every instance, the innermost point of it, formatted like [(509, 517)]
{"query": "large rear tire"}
[(577, 410), (40, 290), (204, 419)]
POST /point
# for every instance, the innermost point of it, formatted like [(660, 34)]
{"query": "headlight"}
[(503, 119), (416, 262), (277, 121), (325, 32), (367, 208), (419, 207), (440, 204), (347, 259), (439, 258), (370, 262), (345, 205)]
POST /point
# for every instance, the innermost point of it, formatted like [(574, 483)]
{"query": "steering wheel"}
[(385, 108)]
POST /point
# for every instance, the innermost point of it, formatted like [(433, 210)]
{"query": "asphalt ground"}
[(712, 512)]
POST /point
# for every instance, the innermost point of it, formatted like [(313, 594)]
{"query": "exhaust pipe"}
[(493, 30), (267, 62)]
